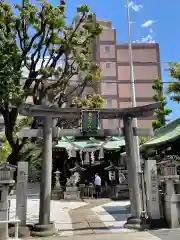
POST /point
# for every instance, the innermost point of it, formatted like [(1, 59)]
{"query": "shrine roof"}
[(114, 144), (164, 135)]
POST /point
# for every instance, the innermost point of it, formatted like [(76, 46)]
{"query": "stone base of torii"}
[(45, 227)]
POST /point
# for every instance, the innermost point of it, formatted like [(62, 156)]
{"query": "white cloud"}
[(146, 39), (135, 7), (148, 23), (149, 38)]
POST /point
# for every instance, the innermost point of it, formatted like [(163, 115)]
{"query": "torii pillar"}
[(45, 228), (134, 189)]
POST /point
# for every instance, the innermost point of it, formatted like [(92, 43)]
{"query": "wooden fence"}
[(120, 191)]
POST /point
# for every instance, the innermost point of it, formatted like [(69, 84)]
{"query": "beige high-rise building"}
[(115, 83)]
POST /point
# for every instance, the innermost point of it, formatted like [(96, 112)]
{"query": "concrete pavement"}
[(98, 219), (98, 216), (167, 234), (163, 234), (85, 221), (120, 236)]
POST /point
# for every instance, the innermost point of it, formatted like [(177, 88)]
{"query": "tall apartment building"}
[(115, 83)]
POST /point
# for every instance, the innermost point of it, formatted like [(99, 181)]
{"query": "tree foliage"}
[(28, 152), (173, 88), (161, 112), (5, 150), (94, 101), (37, 39)]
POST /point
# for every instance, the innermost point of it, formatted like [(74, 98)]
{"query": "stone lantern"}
[(6, 180), (169, 170), (7, 174), (57, 192), (169, 177)]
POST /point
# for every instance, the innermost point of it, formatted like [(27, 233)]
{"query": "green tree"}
[(161, 112), (5, 150), (173, 88), (94, 101), (38, 39)]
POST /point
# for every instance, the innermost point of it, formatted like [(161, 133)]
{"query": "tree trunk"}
[(14, 157), (10, 117)]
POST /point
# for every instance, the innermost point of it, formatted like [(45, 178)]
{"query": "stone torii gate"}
[(49, 113)]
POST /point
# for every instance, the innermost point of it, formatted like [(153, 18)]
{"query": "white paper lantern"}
[(112, 175)]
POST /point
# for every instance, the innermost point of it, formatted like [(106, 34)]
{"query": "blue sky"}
[(152, 20)]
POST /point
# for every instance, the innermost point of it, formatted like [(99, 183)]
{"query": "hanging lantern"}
[(112, 175), (86, 160), (101, 153), (122, 177), (73, 153), (69, 153), (92, 157), (112, 172), (81, 156)]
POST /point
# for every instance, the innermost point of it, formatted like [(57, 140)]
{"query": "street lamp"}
[(132, 83), (133, 96)]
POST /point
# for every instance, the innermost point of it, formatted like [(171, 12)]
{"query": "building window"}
[(108, 65), (107, 85), (108, 103), (107, 49)]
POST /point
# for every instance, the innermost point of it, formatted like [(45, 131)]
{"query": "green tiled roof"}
[(164, 135), (114, 144)]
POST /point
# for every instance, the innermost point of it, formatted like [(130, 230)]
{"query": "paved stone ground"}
[(59, 212), (167, 234), (98, 216), (114, 215), (93, 218), (164, 234), (85, 221), (120, 236)]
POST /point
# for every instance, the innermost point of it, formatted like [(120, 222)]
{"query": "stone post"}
[(152, 190), (22, 192), (4, 209)]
